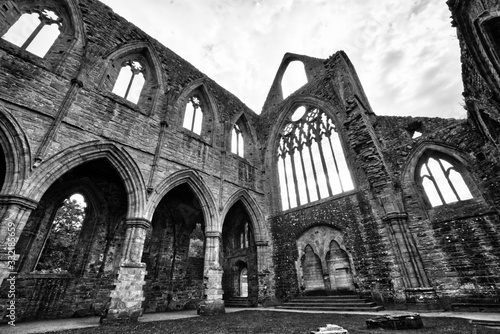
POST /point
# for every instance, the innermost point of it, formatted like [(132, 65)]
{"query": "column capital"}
[(19, 200), (138, 222), (213, 234)]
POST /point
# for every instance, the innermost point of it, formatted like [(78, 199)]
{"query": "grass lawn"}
[(260, 322)]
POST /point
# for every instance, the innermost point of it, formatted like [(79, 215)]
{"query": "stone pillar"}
[(127, 297), (212, 276), (409, 261), (266, 282), (15, 211)]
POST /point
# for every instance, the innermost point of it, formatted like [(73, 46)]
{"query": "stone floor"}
[(61, 324)]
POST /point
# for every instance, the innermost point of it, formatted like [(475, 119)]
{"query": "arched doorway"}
[(323, 265), (69, 252), (312, 282), (239, 258), (339, 269), (174, 253)]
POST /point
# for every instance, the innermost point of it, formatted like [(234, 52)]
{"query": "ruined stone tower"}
[(192, 199)]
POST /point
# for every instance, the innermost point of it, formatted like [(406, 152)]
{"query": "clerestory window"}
[(130, 81), (193, 115), (237, 143), (311, 161), (35, 32), (442, 182)]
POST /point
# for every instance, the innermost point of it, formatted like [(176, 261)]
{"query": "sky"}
[(405, 53)]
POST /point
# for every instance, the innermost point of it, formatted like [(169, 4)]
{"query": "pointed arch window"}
[(442, 181), (130, 81), (311, 161), (35, 32), (193, 114), (237, 141)]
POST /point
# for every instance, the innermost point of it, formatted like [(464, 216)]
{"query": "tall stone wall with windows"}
[(167, 204)]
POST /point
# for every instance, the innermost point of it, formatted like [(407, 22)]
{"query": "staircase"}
[(237, 302), (331, 303)]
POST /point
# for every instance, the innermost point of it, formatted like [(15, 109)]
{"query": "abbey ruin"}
[(193, 200)]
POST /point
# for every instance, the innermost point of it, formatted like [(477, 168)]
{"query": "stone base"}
[(422, 299), (406, 321), (211, 307), (126, 299)]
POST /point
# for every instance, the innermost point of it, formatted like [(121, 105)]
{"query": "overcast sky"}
[(405, 52)]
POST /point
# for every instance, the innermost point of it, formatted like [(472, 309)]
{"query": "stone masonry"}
[(176, 220)]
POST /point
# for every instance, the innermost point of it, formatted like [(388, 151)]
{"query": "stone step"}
[(324, 300), (237, 302), (360, 304), (330, 297), (337, 308)]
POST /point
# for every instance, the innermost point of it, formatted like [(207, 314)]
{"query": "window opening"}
[(62, 238), (311, 161), (193, 115), (442, 183), (130, 81), (294, 78), (35, 32), (237, 141)]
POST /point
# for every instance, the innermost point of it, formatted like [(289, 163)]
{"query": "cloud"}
[(398, 48)]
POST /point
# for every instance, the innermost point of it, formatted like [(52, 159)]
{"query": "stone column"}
[(15, 211), (418, 292), (266, 284), (127, 297), (212, 276)]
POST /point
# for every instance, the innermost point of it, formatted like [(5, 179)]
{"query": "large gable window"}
[(35, 32), (442, 182), (311, 161), (193, 115)]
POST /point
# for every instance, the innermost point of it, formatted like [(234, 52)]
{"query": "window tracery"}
[(442, 182), (130, 81), (311, 161), (35, 31), (193, 115)]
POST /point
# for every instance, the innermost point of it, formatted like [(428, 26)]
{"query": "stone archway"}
[(239, 255), (90, 258), (339, 269), (174, 253), (312, 278)]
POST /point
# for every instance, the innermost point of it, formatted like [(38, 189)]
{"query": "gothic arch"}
[(249, 135), (198, 187), (17, 153), (208, 126), (257, 219), (28, 247), (457, 157), (72, 33), (49, 171), (285, 112), (154, 86)]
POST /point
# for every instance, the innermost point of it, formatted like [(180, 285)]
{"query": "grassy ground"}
[(260, 322)]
